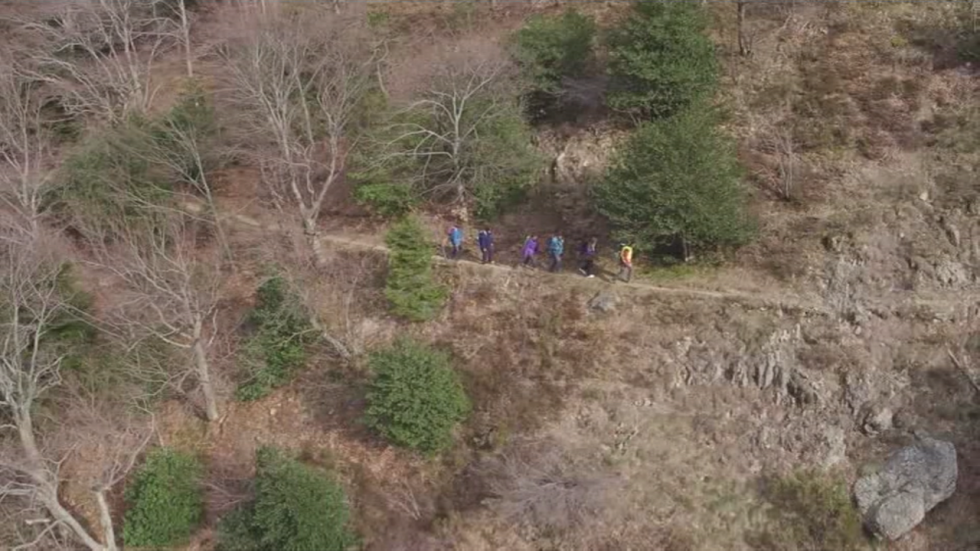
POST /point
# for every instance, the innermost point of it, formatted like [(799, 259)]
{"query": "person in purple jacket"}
[(529, 250)]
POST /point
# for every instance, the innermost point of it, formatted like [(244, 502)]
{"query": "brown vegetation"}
[(648, 426)]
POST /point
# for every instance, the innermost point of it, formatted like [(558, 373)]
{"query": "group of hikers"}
[(554, 247)]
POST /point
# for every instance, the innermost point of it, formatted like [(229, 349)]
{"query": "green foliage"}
[(106, 184), (388, 200), (506, 165), (164, 500), (493, 159), (660, 59), (676, 179), (810, 511), (415, 398), (113, 181), (180, 138), (277, 346), (551, 48), (410, 289), (296, 508)]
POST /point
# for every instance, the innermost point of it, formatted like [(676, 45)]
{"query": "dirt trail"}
[(600, 283), (781, 300)]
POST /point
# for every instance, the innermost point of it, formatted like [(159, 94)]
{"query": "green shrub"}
[(295, 508), (551, 48), (181, 140), (388, 200), (415, 398), (107, 185), (492, 143), (277, 347), (506, 163), (410, 289), (660, 59), (164, 500), (676, 181), (810, 511)]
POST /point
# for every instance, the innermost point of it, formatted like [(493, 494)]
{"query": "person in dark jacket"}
[(485, 240), (588, 253)]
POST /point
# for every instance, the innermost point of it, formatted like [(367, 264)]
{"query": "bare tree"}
[(31, 304), (184, 147), (24, 149), (171, 295), (300, 83), (185, 36), (465, 132), (101, 52), (532, 483)]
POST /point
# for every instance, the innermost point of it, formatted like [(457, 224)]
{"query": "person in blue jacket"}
[(556, 248), (455, 238), (485, 240)]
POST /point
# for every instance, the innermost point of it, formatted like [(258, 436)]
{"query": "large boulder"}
[(914, 479)]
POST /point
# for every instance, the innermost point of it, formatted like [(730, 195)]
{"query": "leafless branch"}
[(100, 53), (171, 292), (283, 63)]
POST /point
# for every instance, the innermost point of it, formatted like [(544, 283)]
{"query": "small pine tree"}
[(410, 289), (296, 508), (550, 48), (660, 59), (277, 347), (676, 179), (165, 500), (415, 398)]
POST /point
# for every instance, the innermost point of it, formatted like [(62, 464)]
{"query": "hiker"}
[(485, 240), (455, 238), (556, 248), (588, 256), (529, 250), (625, 263)]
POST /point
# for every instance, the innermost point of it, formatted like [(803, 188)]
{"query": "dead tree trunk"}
[(204, 372), (744, 48)]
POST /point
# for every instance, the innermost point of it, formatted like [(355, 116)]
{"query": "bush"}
[(660, 59), (410, 289), (550, 49), (493, 146), (182, 139), (676, 181), (164, 500), (295, 508), (106, 185), (810, 511), (282, 332), (415, 398), (388, 200)]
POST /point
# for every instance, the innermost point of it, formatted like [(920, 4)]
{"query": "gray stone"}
[(876, 420), (604, 301), (913, 481)]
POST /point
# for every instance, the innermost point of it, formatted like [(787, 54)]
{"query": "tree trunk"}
[(186, 30), (49, 497), (47, 484), (743, 45), (204, 373), (105, 518)]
